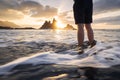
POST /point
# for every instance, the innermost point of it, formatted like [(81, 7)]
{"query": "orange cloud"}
[(11, 14)]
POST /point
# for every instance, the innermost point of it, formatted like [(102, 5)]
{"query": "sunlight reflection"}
[(57, 31), (56, 77), (57, 34)]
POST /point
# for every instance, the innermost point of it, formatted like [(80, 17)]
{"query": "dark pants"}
[(83, 10)]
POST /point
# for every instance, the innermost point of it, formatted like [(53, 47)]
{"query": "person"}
[(83, 10)]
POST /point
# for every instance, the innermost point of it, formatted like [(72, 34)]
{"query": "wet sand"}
[(61, 72)]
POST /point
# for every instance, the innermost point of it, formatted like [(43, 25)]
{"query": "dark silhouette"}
[(11, 25), (46, 25), (49, 25), (83, 10), (5, 27), (69, 27), (8, 24), (53, 25)]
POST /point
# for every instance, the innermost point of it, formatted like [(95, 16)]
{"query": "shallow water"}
[(19, 43), (11, 37), (22, 42), (56, 47)]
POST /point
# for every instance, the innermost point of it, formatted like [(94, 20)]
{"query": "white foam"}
[(3, 45), (39, 58), (105, 58)]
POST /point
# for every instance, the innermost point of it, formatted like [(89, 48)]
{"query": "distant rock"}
[(53, 25), (25, 28), (69, 27), (7, 24), (4, 27), (11, 25), (46, 25), (49, 25)]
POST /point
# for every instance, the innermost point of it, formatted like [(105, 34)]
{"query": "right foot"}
[(93, 43)]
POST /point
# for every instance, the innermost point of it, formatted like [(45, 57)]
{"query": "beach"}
[(50, 55)]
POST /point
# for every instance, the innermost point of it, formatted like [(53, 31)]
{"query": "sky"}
[(33, 13)]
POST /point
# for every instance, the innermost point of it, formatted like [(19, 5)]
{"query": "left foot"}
[(80, 50)]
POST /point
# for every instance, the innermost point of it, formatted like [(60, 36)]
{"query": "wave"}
[(102, 55)]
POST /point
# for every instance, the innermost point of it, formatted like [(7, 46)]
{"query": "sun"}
[(59, 24)]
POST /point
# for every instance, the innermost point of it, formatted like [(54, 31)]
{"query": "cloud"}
[(67, 17), (4, 4), (109, 20), (7, 11), (16, 9), (102, 6), (11, 15), (46, 11), (35, 9)]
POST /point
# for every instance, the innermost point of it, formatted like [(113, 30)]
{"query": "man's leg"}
[(80, 34), (90, 34)]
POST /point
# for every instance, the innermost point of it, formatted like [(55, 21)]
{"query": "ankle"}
[(93, 43), (82, 46)]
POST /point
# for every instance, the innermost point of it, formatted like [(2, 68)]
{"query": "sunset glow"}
[(60, 24), (33, 13)]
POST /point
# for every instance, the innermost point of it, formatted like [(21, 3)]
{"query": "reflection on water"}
[(56, 77), (58, 47), (57, 34), (14, 36)]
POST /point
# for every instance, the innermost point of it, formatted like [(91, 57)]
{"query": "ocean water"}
[(10, 37), (13, 37), (56, 47)]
